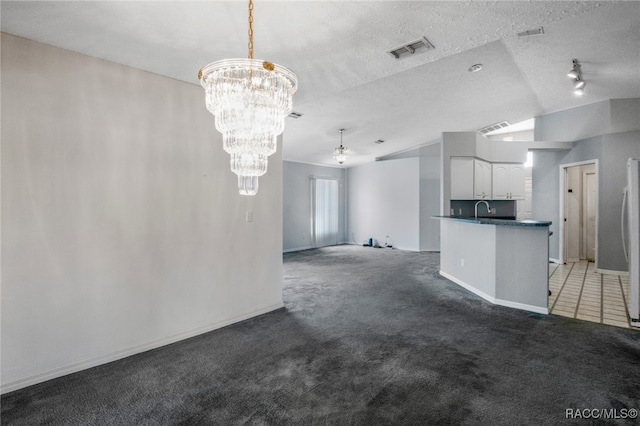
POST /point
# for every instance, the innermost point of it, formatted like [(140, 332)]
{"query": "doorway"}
[(578, 211)]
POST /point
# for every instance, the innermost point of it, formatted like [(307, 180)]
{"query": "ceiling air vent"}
[(379, 141), (494, 127), (294, 114), (409, 49), (537, 31)]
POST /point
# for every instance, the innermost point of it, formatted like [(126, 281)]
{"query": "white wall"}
[(454, 144), (384, 199), (122, 228), (297, 203)]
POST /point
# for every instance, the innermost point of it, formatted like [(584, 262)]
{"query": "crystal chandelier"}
[(340, 153), (250, 99)]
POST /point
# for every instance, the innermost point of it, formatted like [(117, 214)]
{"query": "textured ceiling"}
[(347, 80)]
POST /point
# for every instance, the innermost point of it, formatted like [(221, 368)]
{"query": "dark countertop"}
[(501, 222)]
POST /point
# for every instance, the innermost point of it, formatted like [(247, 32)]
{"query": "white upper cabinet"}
[(508, 181), (470, 179), (482, 180)]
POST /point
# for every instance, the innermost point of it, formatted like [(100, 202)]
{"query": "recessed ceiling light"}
[(475, 68)]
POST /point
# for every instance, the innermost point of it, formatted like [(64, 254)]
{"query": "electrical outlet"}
[(493, 210), (462, 263), (249, 217)]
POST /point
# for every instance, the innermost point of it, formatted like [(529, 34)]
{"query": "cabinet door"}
[(482, 180), (462, 178), (517, 177), (500, 184)]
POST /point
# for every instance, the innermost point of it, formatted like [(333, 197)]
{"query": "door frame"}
[(562, 195), (585, 218)]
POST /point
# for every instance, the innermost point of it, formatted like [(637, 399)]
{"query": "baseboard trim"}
[(94, 362), (297, 249), (466, 286), (495, 301), (612, 272), (522, 306)]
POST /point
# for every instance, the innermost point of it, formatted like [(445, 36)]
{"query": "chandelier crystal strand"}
[(250, 99)]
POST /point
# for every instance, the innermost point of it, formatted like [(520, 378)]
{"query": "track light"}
[(575, 71), (576, 75)]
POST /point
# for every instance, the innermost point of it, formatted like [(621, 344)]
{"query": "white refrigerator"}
[(631, 236)]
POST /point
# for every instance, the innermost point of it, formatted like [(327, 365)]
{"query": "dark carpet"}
[(368, 337)]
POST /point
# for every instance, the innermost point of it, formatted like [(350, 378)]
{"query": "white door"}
[(325, 208), (589, 180)]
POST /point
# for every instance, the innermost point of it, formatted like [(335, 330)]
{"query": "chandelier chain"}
[(250, 29)]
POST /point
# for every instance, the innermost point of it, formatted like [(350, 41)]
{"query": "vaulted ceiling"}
[(338, 49)]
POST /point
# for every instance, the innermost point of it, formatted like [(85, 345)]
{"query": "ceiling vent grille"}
[(494, 127), (294, 114), (528, 33), (420, 45)]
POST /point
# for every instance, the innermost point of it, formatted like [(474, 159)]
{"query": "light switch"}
[(249, 216)]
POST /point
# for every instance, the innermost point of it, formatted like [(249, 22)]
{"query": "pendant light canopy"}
[(250, 99), (340, 153)]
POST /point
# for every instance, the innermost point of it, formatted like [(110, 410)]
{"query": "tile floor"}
[(578, 291)]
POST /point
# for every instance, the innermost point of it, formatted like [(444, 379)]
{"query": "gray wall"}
[(122, 226), (610, 149), (297, 203), (429, 203), (546, 184), (384, 199), (574, 124), (600, 118), (616, 149), (430, 165)]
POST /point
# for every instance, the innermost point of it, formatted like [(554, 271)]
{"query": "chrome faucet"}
[(485, 203)]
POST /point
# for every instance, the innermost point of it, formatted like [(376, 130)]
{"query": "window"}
[(325, 211)]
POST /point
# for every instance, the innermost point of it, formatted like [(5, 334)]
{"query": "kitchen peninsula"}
[(503, 261)]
